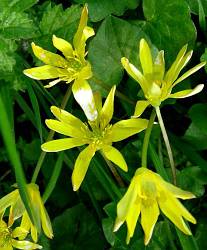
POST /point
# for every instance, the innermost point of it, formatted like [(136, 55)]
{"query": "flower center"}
[(5, 237), (74, 64)]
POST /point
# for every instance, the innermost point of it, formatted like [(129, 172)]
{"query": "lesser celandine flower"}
[(99, 135), (157, 84), (17, 210), (147, 194), (8, 239), (71, 67)]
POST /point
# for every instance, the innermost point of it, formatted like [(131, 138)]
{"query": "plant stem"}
[(167, 144), (114, 171), (147, 138), (50, 136)]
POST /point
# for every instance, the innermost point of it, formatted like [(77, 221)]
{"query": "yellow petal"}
[(171, 209), (170, 75), (140, 108), (64, 128), (125, 128), (108, 109), (149, 216), (84, 96), (98, 101), (115, 156), (181, 65), (82, 34), (25, 245), (125, 204), (48, 57), (53, 83), (61, 144), (8, 200), (81, 166), (145, 57), (45, 219), (19, 232), (86, 72), (159, 66), (67, 117), (42, 72), (25, 223), (178, 192), (34, 233), (16, 211), (135, 74), (187, 92), (132, 218), (62, 45), (189, 72)]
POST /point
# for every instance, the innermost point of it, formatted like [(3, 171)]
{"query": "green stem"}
[(167, 144), (114, 171), (53, 178), (147, 138), (50, 136)]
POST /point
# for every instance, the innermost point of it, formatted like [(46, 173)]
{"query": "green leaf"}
[(99, 9), (196, 134), (194, 6), (169, 25), (8, 137), (57, 21), (110, 44), (16, 25), (73, 228), (17, 5), (192, 179)]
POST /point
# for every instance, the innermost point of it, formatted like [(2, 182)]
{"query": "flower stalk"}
[(167, 144)]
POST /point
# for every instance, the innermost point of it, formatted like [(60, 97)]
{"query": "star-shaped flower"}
[(17, 210), (71, 67), (8, 239), (99, 135), (157, 84), (147, 194)]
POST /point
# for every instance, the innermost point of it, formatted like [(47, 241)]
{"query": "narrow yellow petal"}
[(187, 92), (25, 245), (135, 74), (132, 218), (149, 216), (64, 128), (81, 166), (189, 72), (19, 232), (159, 66), (171, 210), (84, 96), (125, 204), (178, 192), (145, 57), (62, 45), (42, 72), (53, 83), (98, 101), (67, 117), (8, 200), (140, 108), (115, 156), (48, 57), (46, 223), (126, 128), (34, 233), (170, 75), (107, 111), (61, 144)]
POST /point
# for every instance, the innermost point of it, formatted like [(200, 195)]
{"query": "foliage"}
[(85, 219)]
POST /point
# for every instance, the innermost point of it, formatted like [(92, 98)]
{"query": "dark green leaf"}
[(99, 9)]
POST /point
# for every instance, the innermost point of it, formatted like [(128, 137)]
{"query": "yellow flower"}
[(99, 134), (8, 241), (147, 194), (154, 81), (17, 210), (71, 67)]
